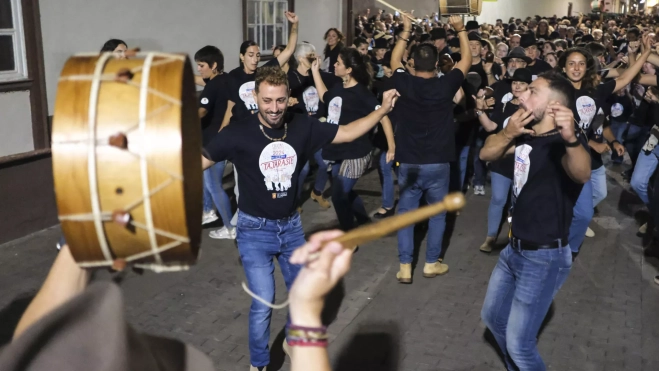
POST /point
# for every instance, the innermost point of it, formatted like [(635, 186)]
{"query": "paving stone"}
[(605, 316)]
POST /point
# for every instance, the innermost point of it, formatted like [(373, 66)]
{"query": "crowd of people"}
[(538, 103)]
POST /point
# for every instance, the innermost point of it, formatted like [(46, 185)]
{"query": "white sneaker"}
[(209, 217), (479, 190), (590, 233), (224, 233)]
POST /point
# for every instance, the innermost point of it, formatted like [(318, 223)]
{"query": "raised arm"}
[(355, 129), (227, 115), (64, 281), (465, 63), (287, 53), (401, 43), (626, 77), (318, 79)]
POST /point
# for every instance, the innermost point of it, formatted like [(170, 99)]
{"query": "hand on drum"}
[(456, 22)]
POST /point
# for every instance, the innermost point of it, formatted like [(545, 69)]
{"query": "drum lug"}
[(119, 140)]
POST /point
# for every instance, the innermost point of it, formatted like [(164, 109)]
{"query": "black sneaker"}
[(388, 213)]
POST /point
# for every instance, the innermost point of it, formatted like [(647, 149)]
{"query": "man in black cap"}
[(530, 45), (477, 65), (438, 37), (379, 50), (516, 59), (472, 26)]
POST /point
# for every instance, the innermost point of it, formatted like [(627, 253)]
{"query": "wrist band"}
[(614, 142), (504, 134), (307, 336), (572, 144), (461, 31)]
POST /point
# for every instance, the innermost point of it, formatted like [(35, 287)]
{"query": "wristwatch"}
[(572, 144), (479, 113)]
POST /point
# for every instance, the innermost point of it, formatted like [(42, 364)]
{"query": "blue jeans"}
[(645, 167), (521, 289), (582, 215), (459, 170), (260, 241), (598, 179), (415, 181), (322, 175), (213, 187), (347, 203), (387, 180), (480, 170), (500, 189)]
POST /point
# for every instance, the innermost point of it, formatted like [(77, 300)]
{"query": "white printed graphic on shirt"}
[(325, 65), (277, 163), (507, 98), (334, 110), (204, 100), (505, 123), (522, 167), (586, 108), (617, 110), (534, 77), (247, 96), (311, 100)]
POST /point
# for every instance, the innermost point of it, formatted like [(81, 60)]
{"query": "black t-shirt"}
[(478, 68), (465, 130), (425, 129), (214, 100), (501, 116), (543, 193), (589, 111), (303, 88), (642, 114), (621, 107), (268, 170), (330, 59), (345, 105), (240, 92), (539, 67)]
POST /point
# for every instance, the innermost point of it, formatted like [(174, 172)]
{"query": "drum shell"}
[(460, 7), (162, 160)]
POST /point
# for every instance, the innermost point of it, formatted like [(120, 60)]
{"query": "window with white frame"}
[(13, 64), (266, 23)]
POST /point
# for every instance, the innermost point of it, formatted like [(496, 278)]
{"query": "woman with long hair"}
[(580, 67), (347, 102), (117, 47), (335, 43)]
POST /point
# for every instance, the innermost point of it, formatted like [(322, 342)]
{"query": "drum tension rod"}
[(119, 140), (124, 75)]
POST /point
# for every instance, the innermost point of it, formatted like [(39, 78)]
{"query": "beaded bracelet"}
[(307, 336)]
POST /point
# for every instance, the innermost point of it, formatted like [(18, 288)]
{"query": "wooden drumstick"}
[(396, 9), (452, 202)]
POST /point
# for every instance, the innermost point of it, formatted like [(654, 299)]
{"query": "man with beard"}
[(438, 37), (516, 59), (551, 165), (271, 147)]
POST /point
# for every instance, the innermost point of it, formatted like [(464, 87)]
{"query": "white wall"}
[(316, 17), (72, 26), (504, 9), (15, 123)]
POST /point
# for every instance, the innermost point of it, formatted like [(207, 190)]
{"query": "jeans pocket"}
[(296, 221), (247, 222), (541, 257)]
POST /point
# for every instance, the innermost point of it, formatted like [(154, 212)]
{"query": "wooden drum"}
[(460, 7), (126, 160)]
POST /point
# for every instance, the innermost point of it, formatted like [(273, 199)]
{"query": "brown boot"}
[(434, 269), (405, 273), (321, 201), (486, 247)]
